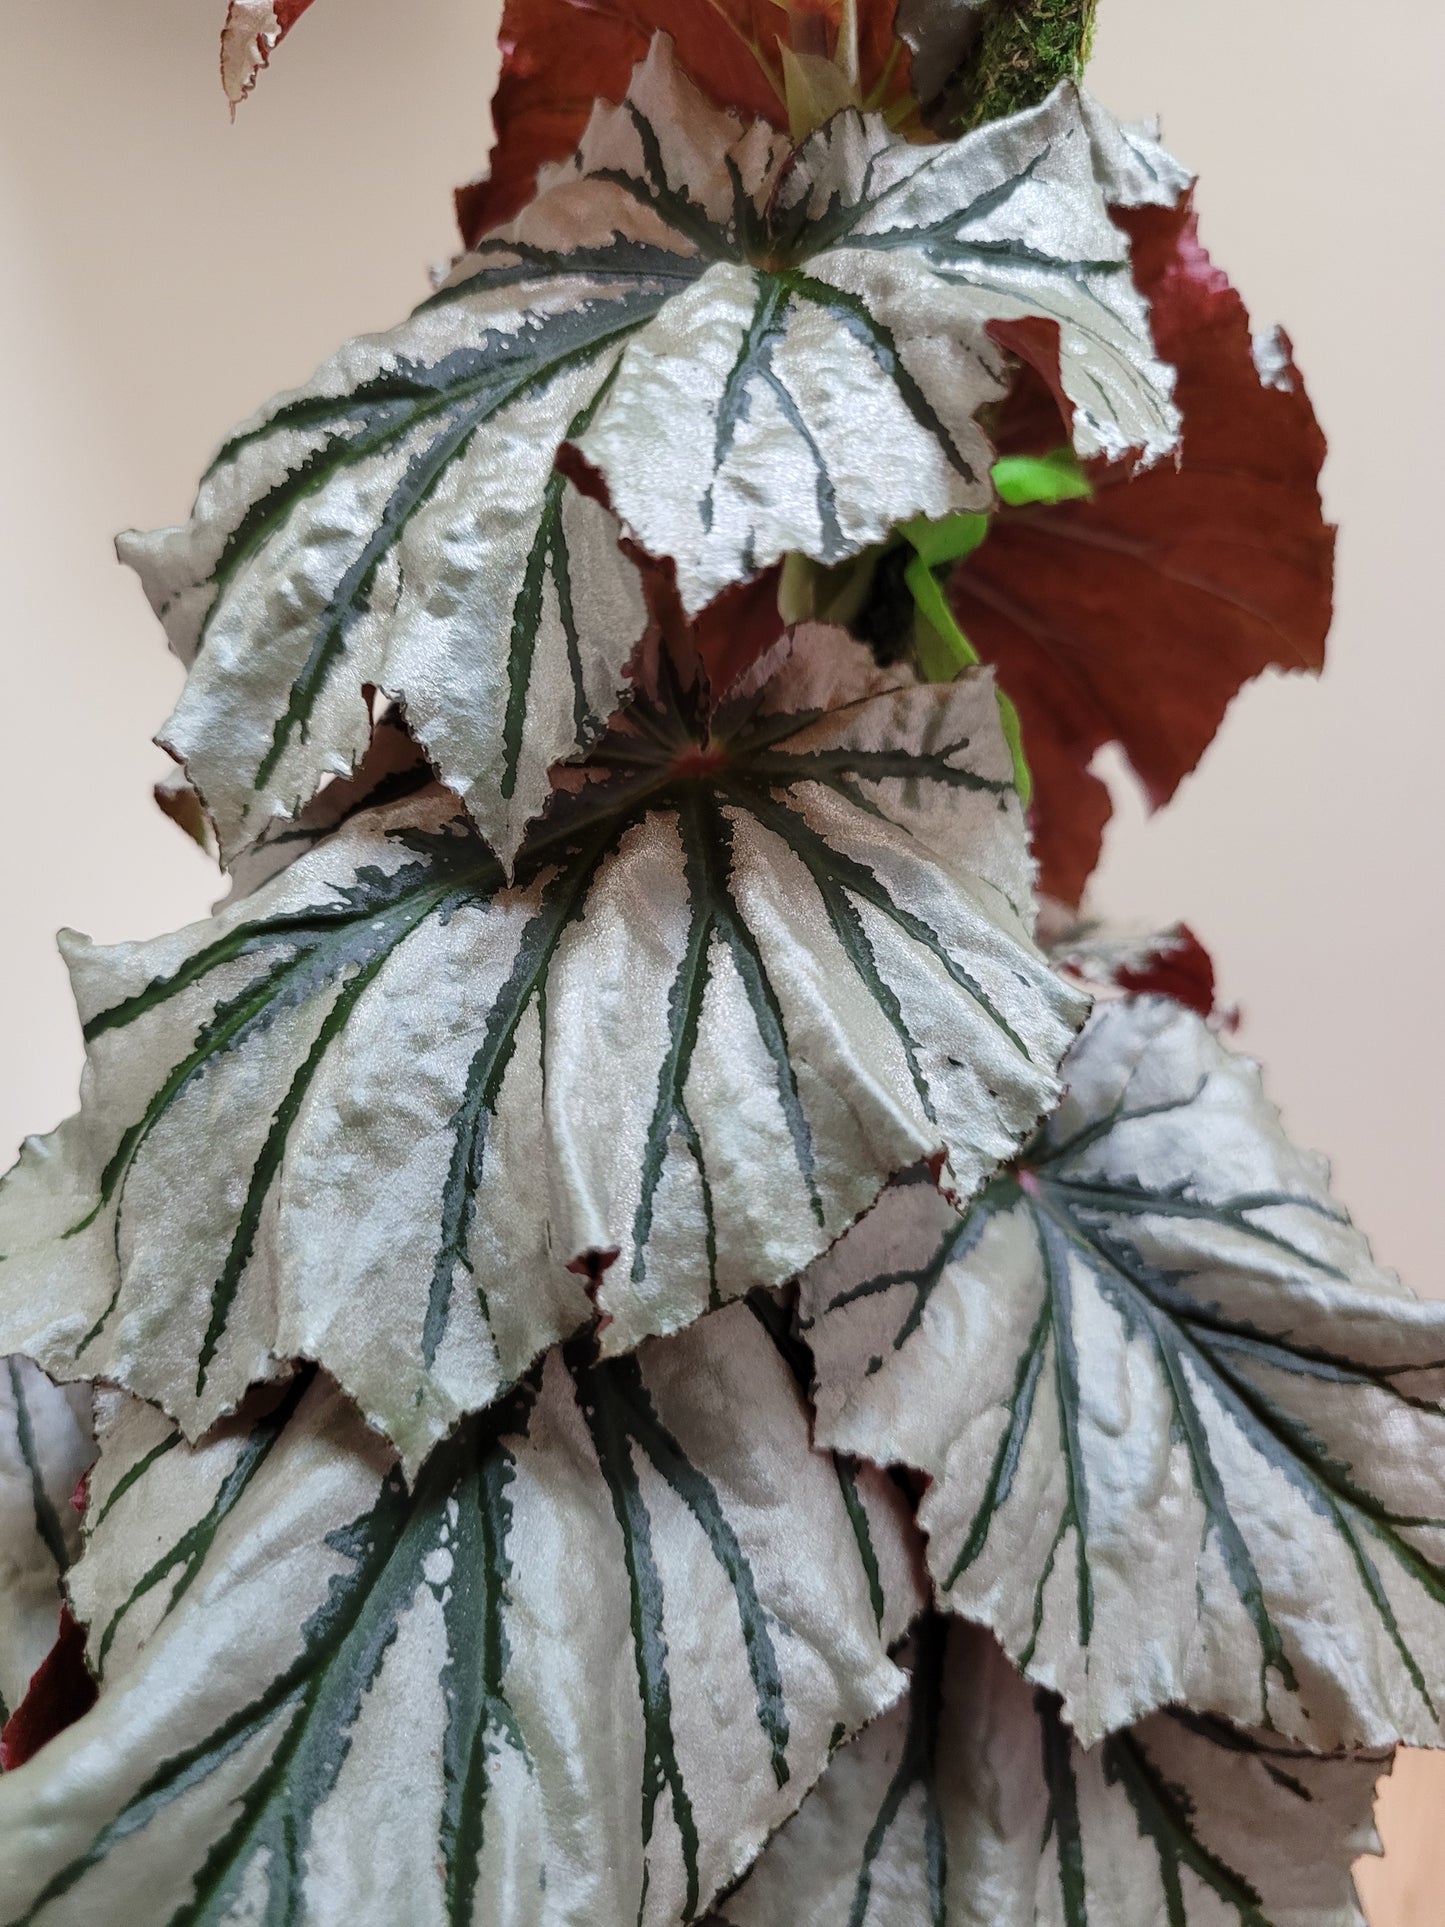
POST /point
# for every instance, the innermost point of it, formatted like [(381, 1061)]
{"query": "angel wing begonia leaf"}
[(708, 318), (972, 1805), (560, 56), (1135, 617), (392, 1115), (576, 1674), (45, 1447), (1185, 1438), (253, 31)]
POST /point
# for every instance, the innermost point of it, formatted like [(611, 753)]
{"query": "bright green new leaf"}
[(972, 1805), (1185, 1440), (1022, 480), (937, 544), (577, 1674), (762, 352), (391, 1114)]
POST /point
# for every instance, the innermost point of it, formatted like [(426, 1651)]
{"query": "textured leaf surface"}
[(559, 56), (45, 1447), (394, 1116), (398, 524), (1186, 1440), (253, 30), (1136, 617), (972, 1805), (841, 385), (575, 1676)]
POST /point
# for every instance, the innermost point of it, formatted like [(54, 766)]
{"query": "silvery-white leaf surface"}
[(45, 1447), (1131, 166), (762, 352), (391, 1114), (972, 1805), (577, 1674), (1186, 1441), (840, 381)]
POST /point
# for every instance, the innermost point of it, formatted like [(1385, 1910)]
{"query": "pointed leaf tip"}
[(252, 32)]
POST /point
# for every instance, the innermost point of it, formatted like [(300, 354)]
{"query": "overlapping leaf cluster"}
[(656, 1362)]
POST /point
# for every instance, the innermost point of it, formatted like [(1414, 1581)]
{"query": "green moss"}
[(1023, 50)]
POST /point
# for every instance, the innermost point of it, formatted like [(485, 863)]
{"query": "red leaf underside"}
[(60, 1692), (1180, 968), (1136, 618)]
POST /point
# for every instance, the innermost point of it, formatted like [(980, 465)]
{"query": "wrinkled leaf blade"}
[(905, 259), (972, 1805), (579, 1672), (686, 286), (1185, 1438), (436, 1110)]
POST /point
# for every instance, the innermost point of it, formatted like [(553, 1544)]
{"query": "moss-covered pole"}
[(1022, 50)]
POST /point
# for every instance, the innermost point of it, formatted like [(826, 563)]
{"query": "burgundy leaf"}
[(1179, 967), (1135, 618), (60, 1692)]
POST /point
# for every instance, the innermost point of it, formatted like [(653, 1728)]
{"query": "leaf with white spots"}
[(391, 1114), (578, 1673), (761, 351), (1185, 1439), (972, 1805)]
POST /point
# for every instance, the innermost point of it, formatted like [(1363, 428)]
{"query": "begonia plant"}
[(650, 1324)]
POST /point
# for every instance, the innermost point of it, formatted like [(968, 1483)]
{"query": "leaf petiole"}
[(940, 644)]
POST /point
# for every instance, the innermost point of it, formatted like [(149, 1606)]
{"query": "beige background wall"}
[(162, 272)]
